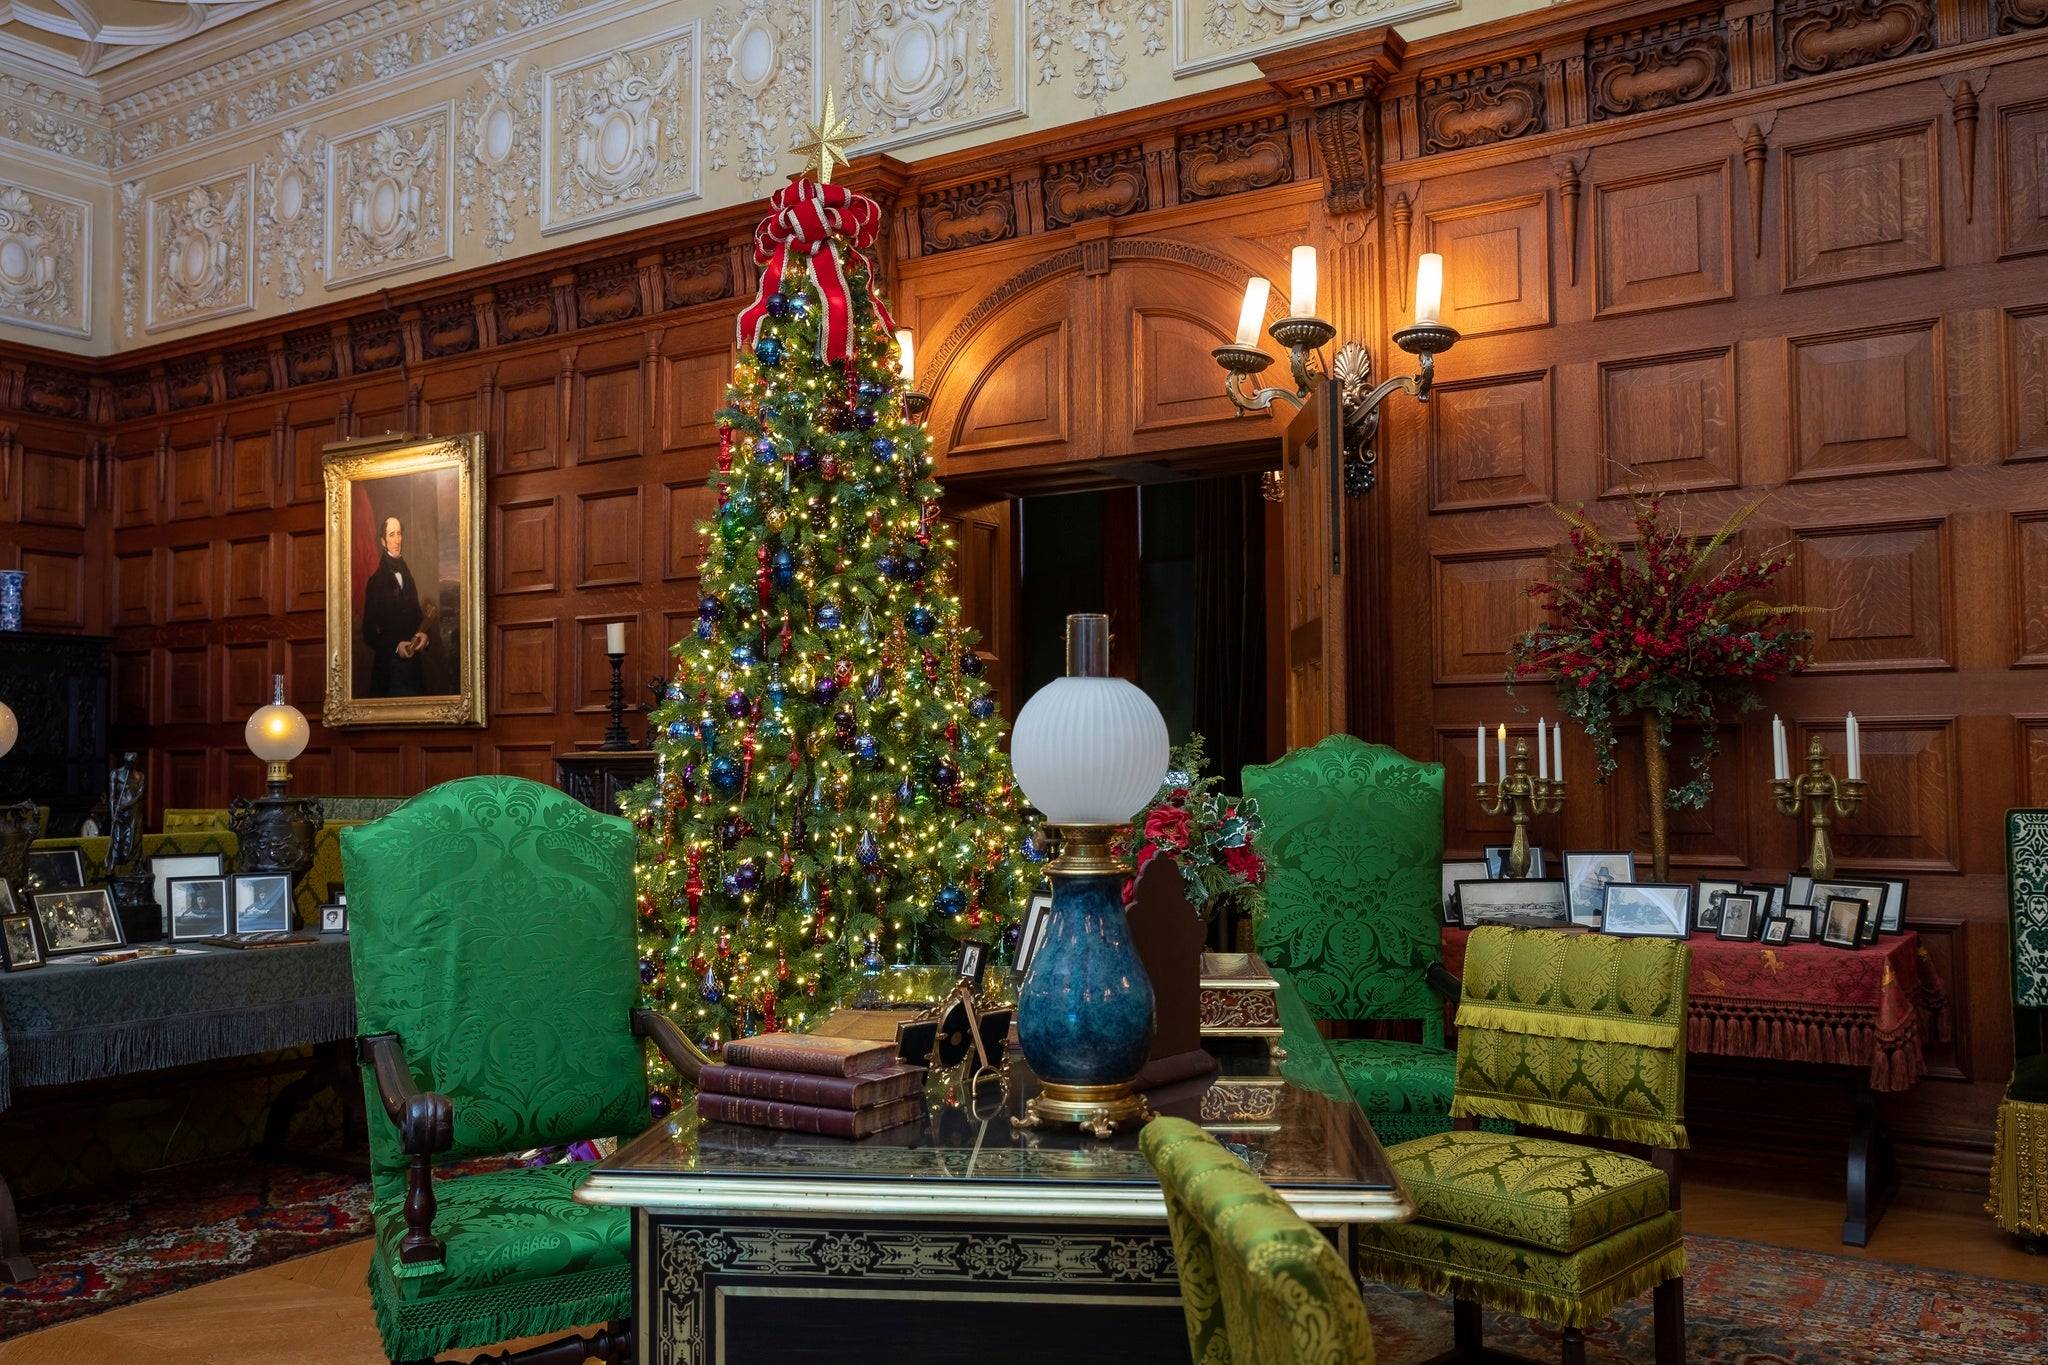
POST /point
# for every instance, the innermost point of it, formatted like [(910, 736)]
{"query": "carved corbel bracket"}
[(1568, 167), (1756, 151), (1340, 79), (1965, 91)]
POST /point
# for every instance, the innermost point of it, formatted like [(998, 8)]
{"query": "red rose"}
[(1167, 825), (1244, 863)]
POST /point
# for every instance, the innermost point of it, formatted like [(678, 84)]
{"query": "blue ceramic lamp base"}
[(1085, 1012)]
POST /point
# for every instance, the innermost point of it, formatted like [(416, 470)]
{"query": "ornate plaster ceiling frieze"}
[(199, 251), (759, 61), (387, 198), (83, 37), (53, 121), (44, 247), (290, 213), (908, 70), (1214, 33), (1091, 30), (497, 154), (621, 132)]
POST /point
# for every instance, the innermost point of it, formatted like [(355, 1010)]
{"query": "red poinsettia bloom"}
[(1167, 825)]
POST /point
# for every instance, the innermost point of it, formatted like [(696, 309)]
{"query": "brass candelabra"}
[(1523, 795), (1819, 791)]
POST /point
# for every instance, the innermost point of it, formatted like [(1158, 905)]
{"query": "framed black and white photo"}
[(1738, 919), (334, 918), (263, 903), (1497, 861), (1453, 874), (1589, 873), (165, 866), (1892, 919), (55, 868), (21, 945), (1516, 899), (198, 907), (1872, 894), (78, 919), (972, 963), (1842, 922), (1706, 903), (1037, 915), (8, 905), (1648, 910), (1799, 889), (1803, 923), (1770, 897), (1777, 930)]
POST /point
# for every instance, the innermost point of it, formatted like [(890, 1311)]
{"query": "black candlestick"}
[(615, 736)]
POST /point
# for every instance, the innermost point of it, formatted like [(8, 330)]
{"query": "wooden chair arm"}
[(678, 1050), (1443, 983), (426, 1126)]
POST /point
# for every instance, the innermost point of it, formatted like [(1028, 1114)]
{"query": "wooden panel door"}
[(985, 578), (1313, 568)]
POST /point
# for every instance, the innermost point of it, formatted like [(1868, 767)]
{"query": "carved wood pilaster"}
[(1567, 167), (1564, 84), (1963, 95), (1750, 26), (1755, 152)]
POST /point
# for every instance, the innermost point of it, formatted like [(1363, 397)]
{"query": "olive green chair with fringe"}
[(497, 983), (2019, 1166), (1582, 1035), (1354, 843), (1259, 1286)]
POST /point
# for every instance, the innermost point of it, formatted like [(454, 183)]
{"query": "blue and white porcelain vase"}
[(1085, 1011), (10, 598)]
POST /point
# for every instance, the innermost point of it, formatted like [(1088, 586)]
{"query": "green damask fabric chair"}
[(1584, 1035), (1354, 844), (491, 934), (2019, 1167), (1259, 1286)]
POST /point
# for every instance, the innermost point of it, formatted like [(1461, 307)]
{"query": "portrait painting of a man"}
[(404, 647)]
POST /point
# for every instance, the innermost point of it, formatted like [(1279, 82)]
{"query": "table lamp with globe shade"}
[(276, 829)]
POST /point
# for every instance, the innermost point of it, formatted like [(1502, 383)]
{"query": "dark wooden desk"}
[(961, 1237)]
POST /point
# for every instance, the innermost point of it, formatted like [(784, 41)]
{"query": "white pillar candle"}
[(1855, 748), (1301, 299), (1542, 751), (1780, 769), (1479, 746), (1254, 311), (1557, 751), (906, 364), (1500, 750), (1429, 287), (615, 637)]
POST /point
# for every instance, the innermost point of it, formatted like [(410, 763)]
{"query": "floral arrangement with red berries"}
[(1667, 626), (1208, 835)]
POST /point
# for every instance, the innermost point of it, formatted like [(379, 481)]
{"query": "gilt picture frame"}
[(405, 581)]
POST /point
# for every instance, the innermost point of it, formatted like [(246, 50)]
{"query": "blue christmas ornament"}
[(867, 748), (805, 459), (737, 705), (827, 688), (675, 692), (799, 305), (830, 617), (869, 390), (785, 568), (646, 971), (864, 417), (903, 792), (764, 451), (768, 351), (778, 693), (1033, 851), (883, 448), (705, 630), (726, 773), (707, 732), (869, 852), (913, 569), (873, 689), (950, 901), (743, 597), (710, 609), (921, 621), (679, 729), (887, 564), (743, 655), (982, 707), (747, 876), (731, 884), (970, 663), (709, 990), (946, 776), (872, 964), (778, 305)]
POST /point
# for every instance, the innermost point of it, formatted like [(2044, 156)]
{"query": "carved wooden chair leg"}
[(1468, 1329), (14, 1262), (1669, 1311), (611, 1344), (1574, 1346)]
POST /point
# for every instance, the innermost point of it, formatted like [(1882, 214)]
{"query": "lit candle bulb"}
[(1254, 311), (907, 366), (1301, 299), (1500, 750), (1429, 287)]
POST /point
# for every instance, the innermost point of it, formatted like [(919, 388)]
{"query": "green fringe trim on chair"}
[(417, 1270), (423, 1329), (1559, 1118), (1542, 1022), (1516, 1296)]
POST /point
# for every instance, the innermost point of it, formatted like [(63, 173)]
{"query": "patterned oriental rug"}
[(1746, 1304)]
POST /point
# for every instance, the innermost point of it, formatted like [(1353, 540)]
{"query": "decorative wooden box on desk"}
[(1238, 997)]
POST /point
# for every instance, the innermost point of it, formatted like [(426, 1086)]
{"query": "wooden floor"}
[(316, 1311)]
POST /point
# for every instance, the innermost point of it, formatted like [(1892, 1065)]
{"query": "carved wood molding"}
[(1819, 36), (1486, 104), (1657, 66), (1340, 79)]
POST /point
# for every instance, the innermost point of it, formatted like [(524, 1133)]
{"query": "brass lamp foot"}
[(1096, 1109)]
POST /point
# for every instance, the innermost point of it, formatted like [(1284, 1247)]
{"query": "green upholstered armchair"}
[(491, 933), (1260, 1286), (1354, 843), (1581, 1034), (2019, 1168)]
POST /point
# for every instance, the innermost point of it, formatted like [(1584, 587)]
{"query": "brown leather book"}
[(825, 1092), (806, 1118), (808, 1053)]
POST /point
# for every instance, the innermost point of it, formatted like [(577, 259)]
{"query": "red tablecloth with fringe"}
[(1807, 1002)]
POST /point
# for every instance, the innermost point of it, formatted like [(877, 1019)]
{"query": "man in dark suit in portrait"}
[(394, 626)]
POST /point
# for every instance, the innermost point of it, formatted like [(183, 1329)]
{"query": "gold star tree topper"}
[(830, 136)]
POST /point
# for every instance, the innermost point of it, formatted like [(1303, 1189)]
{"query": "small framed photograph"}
[(1513, 899), (263, 903), (21, 945), (972, 964), (1804, 923), (165, 866), (1892, 919), (1453, 874), (78, 919), (1770, 897), (1648, 910), (1707, 901), (8, 905), (1589, 873), (1497, 861), (1738, 919), (198, 907), (1873, 894), (1842, 922), (334, 918), (1799, 889), (1037, 916), (1777, 931), (55, 868)]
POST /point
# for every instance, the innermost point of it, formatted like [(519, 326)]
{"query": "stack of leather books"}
[(803, 1083)]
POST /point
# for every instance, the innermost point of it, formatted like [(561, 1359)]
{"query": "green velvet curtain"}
[(1230, 623)]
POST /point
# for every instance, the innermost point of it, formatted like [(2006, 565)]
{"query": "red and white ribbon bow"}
[(818, 222)]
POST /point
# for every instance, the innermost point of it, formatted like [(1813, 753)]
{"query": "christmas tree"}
[(830, 795)]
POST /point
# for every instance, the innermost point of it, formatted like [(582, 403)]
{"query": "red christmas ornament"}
[(724, 946), (725, 450), (787, 633), (746, 760), (931, 667), (764, 580), (953, 733), (786, 864), (781, 968), (924, 524), (974, 918), (698, 964), (842, 672), (875, 520), (829, 466), (693, 885)]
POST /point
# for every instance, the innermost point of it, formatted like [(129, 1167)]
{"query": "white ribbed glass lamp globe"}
[(10, 728), (277, 733), (1089, 751)]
